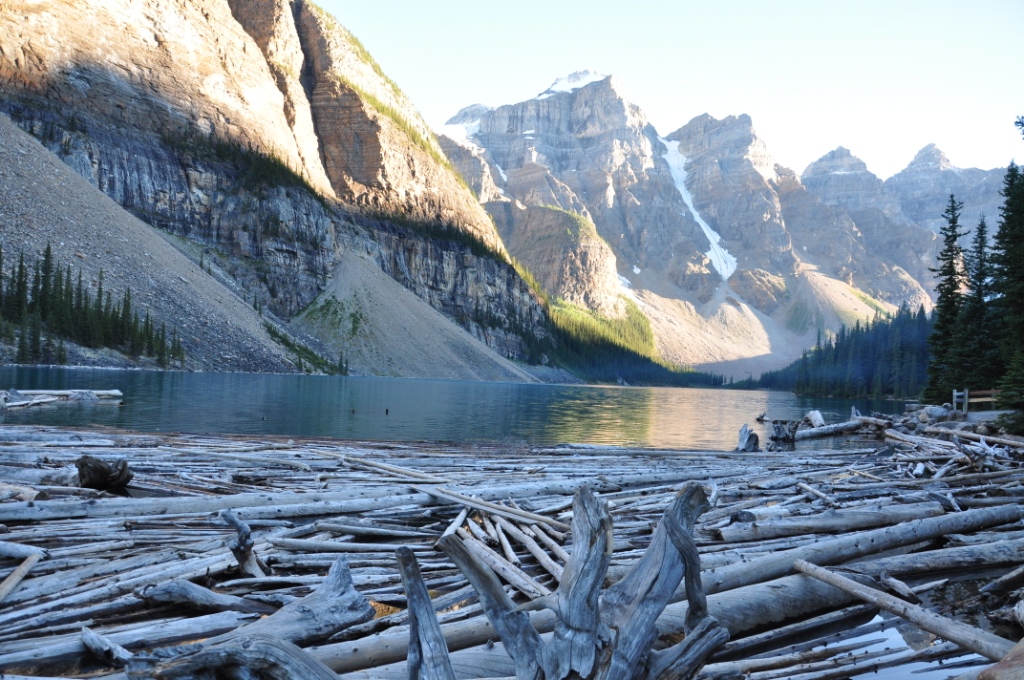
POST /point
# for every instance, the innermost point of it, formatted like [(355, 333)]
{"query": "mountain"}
[(737, 262), (924, 186), (263, 138)]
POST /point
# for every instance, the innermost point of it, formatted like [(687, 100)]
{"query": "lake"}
[(415, 409)]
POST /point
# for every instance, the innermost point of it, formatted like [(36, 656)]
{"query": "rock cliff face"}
[(262, 131), (736, 260), (924, 186)]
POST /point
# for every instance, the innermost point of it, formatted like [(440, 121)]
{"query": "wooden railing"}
[(967, 397)]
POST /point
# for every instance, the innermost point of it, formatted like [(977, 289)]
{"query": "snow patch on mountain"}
[(463, 134), (573, 81), (721, 260)]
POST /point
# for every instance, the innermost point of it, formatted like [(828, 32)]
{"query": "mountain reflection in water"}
[(410, 409)]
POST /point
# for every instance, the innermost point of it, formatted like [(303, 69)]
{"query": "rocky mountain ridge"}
[(264, 135), (738, 262)]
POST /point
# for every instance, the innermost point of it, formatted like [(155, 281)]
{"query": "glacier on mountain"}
[(721, 260)]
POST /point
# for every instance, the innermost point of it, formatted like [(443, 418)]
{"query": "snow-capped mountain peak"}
[(573, 81)]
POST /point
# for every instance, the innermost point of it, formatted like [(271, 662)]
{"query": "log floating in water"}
[(969, 637)]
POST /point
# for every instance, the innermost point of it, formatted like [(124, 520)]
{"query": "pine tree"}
[(976, 339), (35, 338), (46, 283), (1007, 259), (3, 303), (1011, 395), (943, 374), (23, 356)]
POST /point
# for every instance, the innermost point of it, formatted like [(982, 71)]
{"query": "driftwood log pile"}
[(220, 557), (16, 399)]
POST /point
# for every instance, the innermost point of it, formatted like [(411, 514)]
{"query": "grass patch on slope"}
[(580, 228)]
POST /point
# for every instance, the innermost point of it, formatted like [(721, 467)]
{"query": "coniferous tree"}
[(19, 291), (944, 375), (45, 283), (23, 356), (3, 303), (975, 348), (1011, 395), (35, 338), (1007, 259)]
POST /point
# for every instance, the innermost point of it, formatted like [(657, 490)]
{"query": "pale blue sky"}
[(880, 78)]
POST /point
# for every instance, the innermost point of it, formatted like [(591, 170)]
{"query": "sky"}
[(883, 79)]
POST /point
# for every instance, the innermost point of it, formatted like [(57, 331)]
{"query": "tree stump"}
[(606, 634), (783, 435), (749, 441)]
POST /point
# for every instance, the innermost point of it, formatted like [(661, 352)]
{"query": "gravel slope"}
[(384, 329), (42, 200)]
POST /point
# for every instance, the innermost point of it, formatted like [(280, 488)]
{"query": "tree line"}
[(42, 305), (886, 357), (972, 339)]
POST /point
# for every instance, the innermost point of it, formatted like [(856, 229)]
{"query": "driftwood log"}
[(146, 574), (988, 645), (259, 656)]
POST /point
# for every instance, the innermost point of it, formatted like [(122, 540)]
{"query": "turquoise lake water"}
[(414, 409)]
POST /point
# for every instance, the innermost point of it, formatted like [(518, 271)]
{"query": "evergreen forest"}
[(42, 304), (887, 357), (971, 340)]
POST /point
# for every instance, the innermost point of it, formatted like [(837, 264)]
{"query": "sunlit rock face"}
[(263, 132), (702, 216)]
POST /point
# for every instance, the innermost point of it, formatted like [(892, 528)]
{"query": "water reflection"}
[(406, 409)]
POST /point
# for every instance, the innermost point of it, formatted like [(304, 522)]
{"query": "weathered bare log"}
[(242, 546), (988, 645), (1001, 585), (828, 522), (515, 576), (493, 508), (19, 550), (814, 419), (333, 606), (15, 578), (198, 597), (1009, 667), (783, 435), (582, 644), (105, 650), (845, 548), (511, 624), (578, 633), (273, 504), (428, 655), (738, 610), (404, 472), (258, 656), (829, 430), (70, 647), (973, 436)]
